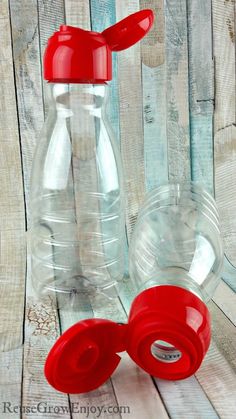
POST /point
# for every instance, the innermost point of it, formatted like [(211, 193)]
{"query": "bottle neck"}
[(77, 98)]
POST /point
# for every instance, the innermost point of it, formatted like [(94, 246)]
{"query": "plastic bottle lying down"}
[(175, 257)]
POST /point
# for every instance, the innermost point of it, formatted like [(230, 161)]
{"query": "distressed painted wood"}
[(41, 323), (177, 112), (12, 228), (201, 91), (225, 298), (224, 120), (103, 14), (165, 110), (131, 122), (154, 99)]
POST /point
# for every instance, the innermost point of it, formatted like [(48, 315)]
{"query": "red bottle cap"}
[(172, 315), (85, 356), (74, 55)]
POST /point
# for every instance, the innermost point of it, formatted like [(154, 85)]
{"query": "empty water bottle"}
[(176, 257), (175, 262), (77, 198)]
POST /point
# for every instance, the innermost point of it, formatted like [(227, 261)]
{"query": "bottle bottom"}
[(70, 291)]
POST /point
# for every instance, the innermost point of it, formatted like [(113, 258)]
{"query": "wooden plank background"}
[(173, 113)]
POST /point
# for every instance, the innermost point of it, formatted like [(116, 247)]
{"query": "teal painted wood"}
[(225, 128), (177, 114), (50, 16), (103, 14), (201, 91), (154, 99), (131, 121), (154, 109)]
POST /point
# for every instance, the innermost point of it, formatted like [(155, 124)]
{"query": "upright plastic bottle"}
[(175, 257), (77, 198)]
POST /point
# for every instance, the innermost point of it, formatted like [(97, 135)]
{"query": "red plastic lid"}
[(169, 332), (85, 356), (74, 55)]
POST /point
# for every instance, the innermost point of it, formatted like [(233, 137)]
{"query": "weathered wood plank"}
[(103, 14), (201, 91), (177, 115), (135, 389), (131, 122), (224, 120), (219, 382), (186, 399), (12, 228), (154, 99), (225, 298), (224, 334), (24, 17), (51, 14), (41, 319)]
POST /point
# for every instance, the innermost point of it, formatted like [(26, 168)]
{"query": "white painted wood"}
[(213, 392), (12, 227), (177, 116), (224, 120), (24, 20), (219, 382), (224, 336), (131, 123), (225, 298), (41, 319), (201, 91), (186, 399), (154, 99), (135, 389)]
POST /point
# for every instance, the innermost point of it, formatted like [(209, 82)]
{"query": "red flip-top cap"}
[(169, 332), (74, 55), (86, 355)]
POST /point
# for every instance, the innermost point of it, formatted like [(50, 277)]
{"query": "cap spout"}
[(128, 31)]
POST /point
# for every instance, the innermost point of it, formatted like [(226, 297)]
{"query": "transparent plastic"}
[(177, 241), (77, 205)]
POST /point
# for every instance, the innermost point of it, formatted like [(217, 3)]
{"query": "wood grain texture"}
[(24, 19), (131, 122), (224, 120), (41, 319), (201, 91), (219, 382), (12, 228), (51, 14), (225, 298), (165, 111), (103, 14), (154, 99), (12, 214), (177, 115)]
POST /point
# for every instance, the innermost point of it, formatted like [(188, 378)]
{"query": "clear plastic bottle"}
[(176, 257), (175, 262), (77, 202), (77, 196), (177, 241)]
